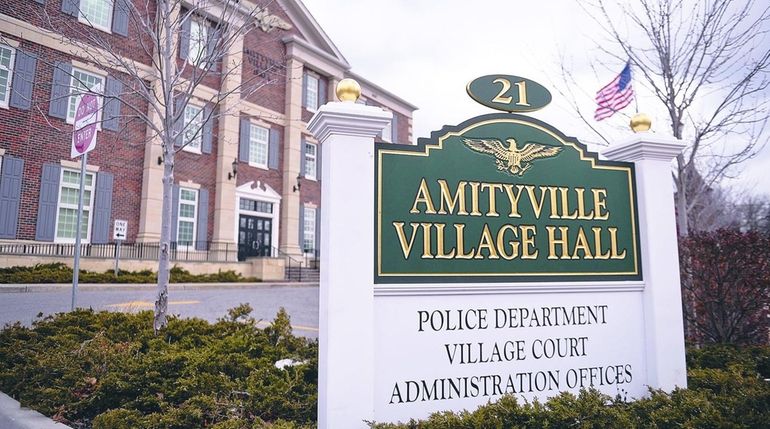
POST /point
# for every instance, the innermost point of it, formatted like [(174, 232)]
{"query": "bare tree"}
[(156, 90), (708, 64)]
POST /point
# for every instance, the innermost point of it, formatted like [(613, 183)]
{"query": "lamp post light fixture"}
[(231, 176), (298, 185)]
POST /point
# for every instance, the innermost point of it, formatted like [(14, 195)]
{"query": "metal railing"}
[(196, 251)]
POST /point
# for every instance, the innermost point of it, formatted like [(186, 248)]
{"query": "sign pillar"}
[(346, 309), (662, 298)]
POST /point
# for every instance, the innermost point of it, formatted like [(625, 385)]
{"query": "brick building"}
[(269, 209)]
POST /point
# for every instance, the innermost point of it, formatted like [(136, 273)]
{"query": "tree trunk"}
[(161, 300), (681, 197)]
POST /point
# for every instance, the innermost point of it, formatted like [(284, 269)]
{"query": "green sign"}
[(503, 197), (509, 93)]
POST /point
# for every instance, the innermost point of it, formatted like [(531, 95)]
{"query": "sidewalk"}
[(13, 416), (59, 287)]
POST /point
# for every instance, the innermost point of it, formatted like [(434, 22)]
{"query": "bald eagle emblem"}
[(511, 159)]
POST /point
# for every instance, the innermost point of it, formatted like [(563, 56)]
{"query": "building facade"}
[(249, 180)]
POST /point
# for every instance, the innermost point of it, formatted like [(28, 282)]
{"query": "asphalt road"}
[(301, 302)]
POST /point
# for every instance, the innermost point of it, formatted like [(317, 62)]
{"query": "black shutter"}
[(60, 90), (100, 232), (111, 111), (184, 36), (10, 195), (302, 158), (304, 89), (49, 197), (71, 7), (318, 231), (207, 131), (322, 84), (174, 212), (244, 140), (23, 79), (120, 14), (302, 227), (273, 149), (201, 235)]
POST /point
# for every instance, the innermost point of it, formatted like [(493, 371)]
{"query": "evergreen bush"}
[(61, 273)]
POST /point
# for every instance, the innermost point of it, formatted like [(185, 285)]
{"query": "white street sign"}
[(85, 124), (120, 230)]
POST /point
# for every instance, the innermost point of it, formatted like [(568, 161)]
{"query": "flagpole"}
[(636, 99), (76, 269)]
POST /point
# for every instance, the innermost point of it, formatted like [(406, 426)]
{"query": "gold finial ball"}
[(348, 90), (641, 122)]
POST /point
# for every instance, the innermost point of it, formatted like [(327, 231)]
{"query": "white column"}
[(662, 299), (346, 309)]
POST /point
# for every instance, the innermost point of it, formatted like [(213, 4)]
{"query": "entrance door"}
[(254, 236)]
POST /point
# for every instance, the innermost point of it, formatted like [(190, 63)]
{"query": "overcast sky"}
[(426, 51)]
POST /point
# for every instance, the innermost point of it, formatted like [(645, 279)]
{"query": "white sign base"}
[(393, 352)]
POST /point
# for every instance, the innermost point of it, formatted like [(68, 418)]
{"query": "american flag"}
[(615, 95)]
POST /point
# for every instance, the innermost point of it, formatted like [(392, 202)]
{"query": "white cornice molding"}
[(645, 146), (308, 26), (348, 119)]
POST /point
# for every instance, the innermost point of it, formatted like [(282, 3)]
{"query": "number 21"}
[(522, 86)]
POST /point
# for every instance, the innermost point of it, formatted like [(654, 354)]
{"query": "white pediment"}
[(312, 32), (258, 191)]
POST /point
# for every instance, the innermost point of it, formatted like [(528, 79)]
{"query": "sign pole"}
[(76, 269), (117, 257)]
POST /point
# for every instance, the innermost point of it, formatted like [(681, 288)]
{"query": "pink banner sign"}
[(86, 120)]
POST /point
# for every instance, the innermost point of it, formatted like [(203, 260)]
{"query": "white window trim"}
[(187, 147), (267, 147), (304, 230), (260, 192), (103, 76), (194, 218), (82, 19), (90, 209), (317, 79), (315, 161), (11, 67), (200, 61)]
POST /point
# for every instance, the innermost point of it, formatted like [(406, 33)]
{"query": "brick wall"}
[(40, 139)]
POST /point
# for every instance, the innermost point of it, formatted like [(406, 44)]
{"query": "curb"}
[(14, 416), (122, 287)]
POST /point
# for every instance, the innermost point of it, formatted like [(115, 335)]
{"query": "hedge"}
[(61, 273), (108, 371)]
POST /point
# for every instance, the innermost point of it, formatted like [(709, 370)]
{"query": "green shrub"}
[(61, 273), (108, 370)]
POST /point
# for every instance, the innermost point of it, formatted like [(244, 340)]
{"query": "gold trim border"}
[(440, 146)]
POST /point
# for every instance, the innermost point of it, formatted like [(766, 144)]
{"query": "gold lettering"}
[(486, 242), (492, 189), (426, 254), (600, 202), (614, 245), (581, 243), (553, 242), (423, 196), (406, 247), (460, 230), (501, 242), (440, 243), (513, 198), (598, 244), (522, 93), (506, 86), (554, 205), (528, 240), (475, 198), (582, 205), (565, 214), (537, 205), (450, 201)]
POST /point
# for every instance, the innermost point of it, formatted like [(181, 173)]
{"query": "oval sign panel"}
[(509, 93)]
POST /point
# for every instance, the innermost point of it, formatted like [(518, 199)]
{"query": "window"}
[(311, 92), (258, 146), (187, 215), (67, 211), (309, 231), (310, 161), (96, 13), (193, 122), (198, 40), (7, 57), (81, 82), (256, 206)]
